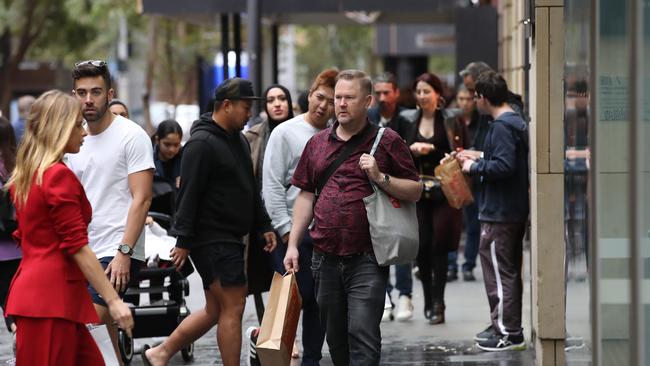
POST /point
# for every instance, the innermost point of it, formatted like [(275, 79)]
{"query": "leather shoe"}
[(428, 312), (438, 316)]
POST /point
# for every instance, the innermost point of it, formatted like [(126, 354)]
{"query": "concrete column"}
[(547, 183)]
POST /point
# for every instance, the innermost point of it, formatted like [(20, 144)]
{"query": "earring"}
[(441, 102)]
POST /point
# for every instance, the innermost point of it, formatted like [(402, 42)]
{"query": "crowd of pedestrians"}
[(285, 194)]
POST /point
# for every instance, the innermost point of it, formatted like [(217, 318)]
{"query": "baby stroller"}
[(162, 314)]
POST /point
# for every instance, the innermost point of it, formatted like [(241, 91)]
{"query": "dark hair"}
[(168, 126), (326, 78), (303, 101), (286, 94), (492, 87), (364, 80), (86, 69), (117, 101), (387, 77), (7, 145), (432, 80)]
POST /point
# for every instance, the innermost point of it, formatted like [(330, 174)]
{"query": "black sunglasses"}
[(96, 63)]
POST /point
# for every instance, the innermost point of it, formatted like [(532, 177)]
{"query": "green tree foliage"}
[(66, 31), (343, 47), (61, 30)]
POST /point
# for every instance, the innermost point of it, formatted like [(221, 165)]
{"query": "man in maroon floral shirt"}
[(350, 285)]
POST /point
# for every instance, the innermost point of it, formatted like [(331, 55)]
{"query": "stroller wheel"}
[(125, 343), (188, 352)]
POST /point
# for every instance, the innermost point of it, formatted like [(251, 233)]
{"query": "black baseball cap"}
[(235, 89)]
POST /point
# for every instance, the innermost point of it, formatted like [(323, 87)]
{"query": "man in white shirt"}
[(115, 167)]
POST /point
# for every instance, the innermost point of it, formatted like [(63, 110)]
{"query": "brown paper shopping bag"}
[(275, 341), (454, 183)]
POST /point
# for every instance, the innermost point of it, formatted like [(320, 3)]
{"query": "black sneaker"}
[(508, 342), (485, 334), (251, 335)]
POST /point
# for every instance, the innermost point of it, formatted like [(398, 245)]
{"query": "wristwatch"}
[(386, 179), (125, 249)]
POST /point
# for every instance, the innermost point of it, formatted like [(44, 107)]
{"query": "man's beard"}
[(384, 107), (100, 112)]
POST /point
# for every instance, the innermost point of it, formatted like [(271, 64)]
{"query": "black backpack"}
[(8, 222)]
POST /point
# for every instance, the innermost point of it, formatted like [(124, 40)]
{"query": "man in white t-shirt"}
[(115, 167)]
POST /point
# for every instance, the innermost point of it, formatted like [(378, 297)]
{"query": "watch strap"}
[(129, 253)]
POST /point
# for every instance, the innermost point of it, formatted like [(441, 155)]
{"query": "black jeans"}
[(350, 291)]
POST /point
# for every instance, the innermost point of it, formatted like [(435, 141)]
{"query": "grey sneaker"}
[(573, 343), (508, 342), (485, 334)]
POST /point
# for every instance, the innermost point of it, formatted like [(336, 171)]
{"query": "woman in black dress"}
[(434, 133)]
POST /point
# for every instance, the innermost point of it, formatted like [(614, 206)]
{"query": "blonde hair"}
[(47, 131)]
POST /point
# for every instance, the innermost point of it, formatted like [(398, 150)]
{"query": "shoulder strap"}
[(380, 133), (347, 150)]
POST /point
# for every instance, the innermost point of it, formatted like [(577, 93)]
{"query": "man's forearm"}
[(403, 189), (135, 221), (302, 216)]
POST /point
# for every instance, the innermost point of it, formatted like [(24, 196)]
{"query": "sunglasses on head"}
[(96, 63)]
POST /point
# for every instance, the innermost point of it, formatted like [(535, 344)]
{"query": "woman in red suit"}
[(48, 295)]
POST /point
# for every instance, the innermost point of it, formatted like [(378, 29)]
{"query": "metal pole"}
[(274, 52), (594, 259), (635, 198), (225, 42), (254, 49), (237, 41)]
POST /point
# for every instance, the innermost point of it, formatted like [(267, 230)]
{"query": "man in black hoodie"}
[(502, 167), (218, 203)]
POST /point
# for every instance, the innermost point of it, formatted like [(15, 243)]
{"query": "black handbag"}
[(432, 190), (8, 222)]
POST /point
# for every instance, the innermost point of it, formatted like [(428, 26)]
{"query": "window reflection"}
[(576, 178)]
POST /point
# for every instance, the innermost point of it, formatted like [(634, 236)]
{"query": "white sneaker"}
[(404, 308), (387, 316)]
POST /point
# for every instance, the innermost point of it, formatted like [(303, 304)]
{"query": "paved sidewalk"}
[(413, 342)]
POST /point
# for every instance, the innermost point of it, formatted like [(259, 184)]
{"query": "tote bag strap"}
[(380, 133)]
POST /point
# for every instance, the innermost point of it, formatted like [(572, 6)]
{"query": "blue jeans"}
[(472, 239), (350, 291), (403, 280), (313, 334), (133, 275)]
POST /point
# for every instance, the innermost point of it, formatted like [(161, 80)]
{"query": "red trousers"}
[(54, 342)]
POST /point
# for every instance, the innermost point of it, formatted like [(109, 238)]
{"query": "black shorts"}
[(220, 261)]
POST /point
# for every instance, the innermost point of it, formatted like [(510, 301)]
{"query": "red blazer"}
[(52, 226)]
